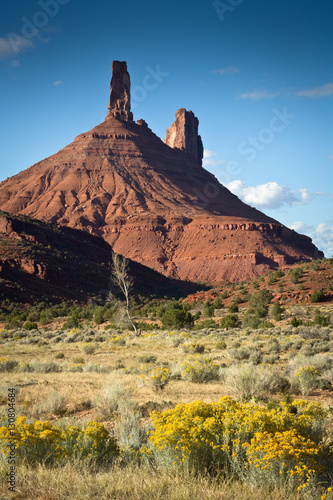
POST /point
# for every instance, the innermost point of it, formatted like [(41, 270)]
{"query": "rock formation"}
[(183, 134), (153, 203), (120, 92), (41, 261)]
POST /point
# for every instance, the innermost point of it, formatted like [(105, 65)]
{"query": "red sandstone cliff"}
[(153, 202)]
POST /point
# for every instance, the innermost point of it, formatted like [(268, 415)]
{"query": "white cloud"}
[(230, 70), (11, 46), (322, 235), (208, 159), (325, 90), (58, 82), (270, 195), (255, 95), (321, 91)]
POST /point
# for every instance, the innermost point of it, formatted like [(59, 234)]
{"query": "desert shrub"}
[(129, 431), (206, 323), (44, 443), (295, 274), (274, 346), (78, 360), (238, 438), (321, 320), (41, 367), (30, 325), (117, 341), (54, 404), (7, 365), (208, 309), (113, 398), (59, 355), (233, 308), (92, 367), (199, 369), (217, 302), (307, 350), (239, 353), (312, 332), (277, 310), (176, 315), (266, 324), (147, 327), (255, 357), (99, 315), (70, 323), (148, 358), (88, 349), (317, 296), (259, 303), (193, 348), (251, 321), (244, 382), (229, 321), (307, 378), (221, 344), (285, 459), (271, 359), (321, 347), (295, 322), (158, 378)]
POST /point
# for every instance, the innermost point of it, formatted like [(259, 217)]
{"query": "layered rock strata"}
[(153, 201)]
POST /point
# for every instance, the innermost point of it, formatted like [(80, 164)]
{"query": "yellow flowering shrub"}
[(42, 442), (199, 369), (159, 378), (193, 348), (284, 455), (238, 437), (307, 378), (328, 495), (117, 341)]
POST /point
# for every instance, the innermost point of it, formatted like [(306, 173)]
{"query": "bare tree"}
[(121, 278)]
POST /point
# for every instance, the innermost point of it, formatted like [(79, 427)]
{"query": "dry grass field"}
[(74, 376), (107, 375)]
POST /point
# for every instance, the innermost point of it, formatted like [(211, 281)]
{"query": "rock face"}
[(120, 92), (153, 203), (41, 261), (183, 135)]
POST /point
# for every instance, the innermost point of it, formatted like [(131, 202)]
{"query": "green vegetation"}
[(204, 400)]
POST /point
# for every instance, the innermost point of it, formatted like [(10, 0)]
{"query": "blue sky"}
[(257, 73)]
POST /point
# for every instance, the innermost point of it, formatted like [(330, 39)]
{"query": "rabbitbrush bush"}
[(276, 446), (158, 378), (44, 443), (199, 369)]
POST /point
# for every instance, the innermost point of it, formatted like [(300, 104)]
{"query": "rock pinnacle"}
[(120, 93), (183, 134)]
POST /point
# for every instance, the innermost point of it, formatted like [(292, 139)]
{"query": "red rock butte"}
[(152, 200)]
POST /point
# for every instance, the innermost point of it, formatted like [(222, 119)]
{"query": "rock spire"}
[(183, 134), (120, 93)]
